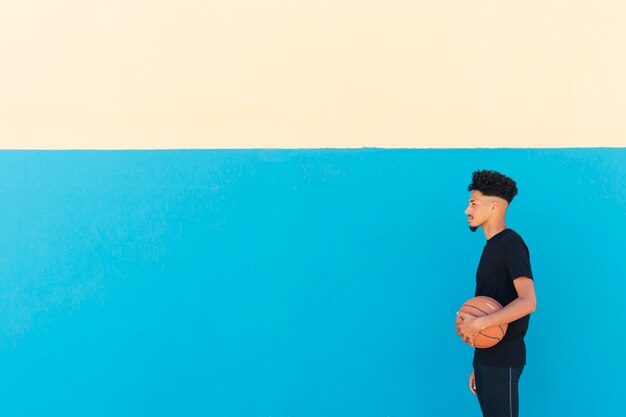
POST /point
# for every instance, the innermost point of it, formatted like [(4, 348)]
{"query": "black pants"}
[(496, 389)]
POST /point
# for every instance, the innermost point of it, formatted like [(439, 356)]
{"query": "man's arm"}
[(523, 305)]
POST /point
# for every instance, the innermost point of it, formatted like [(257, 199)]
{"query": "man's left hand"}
[(468, 327)]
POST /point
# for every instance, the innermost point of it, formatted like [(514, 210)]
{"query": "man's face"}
[(478, 210)]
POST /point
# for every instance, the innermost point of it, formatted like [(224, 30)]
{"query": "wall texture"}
[(259, 273), (296, 283)]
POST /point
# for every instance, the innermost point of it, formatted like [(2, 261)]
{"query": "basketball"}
[(482, 306)]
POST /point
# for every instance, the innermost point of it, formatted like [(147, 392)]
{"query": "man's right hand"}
[(472, 383)]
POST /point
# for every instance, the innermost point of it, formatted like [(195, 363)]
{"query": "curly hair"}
[(493, 183)]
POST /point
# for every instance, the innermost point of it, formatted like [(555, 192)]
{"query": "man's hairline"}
[(493, 196)]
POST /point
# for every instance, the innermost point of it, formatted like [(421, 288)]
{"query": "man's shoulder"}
[(512, 234), (512, 238)]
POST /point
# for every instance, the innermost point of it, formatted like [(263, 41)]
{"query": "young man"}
[(504, 273)]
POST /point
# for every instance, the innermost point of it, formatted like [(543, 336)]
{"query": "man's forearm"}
[(516, 309)]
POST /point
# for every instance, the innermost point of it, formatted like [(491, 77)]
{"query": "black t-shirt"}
[(505, 257)]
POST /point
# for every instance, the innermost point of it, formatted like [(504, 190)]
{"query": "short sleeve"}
[(518, 259)]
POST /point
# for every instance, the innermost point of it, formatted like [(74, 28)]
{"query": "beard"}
[(474, 228)]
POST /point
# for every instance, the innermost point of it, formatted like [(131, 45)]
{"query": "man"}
[(504, 273)]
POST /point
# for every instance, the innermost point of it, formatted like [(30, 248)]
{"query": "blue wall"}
[(300, 283)]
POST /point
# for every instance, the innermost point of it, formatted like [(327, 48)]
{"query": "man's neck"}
[(493, 229)]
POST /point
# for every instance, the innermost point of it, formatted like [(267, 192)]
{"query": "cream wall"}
[(277, 73)]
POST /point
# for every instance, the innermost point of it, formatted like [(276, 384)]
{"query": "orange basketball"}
[(482, 306)]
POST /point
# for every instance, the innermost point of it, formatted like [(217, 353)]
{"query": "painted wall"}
[(296, 283), (291, 74)]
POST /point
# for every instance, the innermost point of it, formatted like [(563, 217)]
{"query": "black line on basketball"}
[(469, 305), (489, 337)]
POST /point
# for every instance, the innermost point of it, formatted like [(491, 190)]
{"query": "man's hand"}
[(472, 383), (468, 328)]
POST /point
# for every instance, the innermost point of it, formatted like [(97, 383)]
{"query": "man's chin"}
[(474, 228)]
